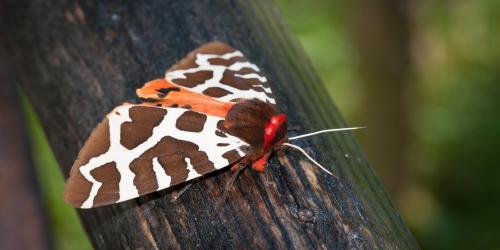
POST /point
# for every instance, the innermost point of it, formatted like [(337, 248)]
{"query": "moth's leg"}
[(260, 164), (237, 168), (184, 189), (281, 156)]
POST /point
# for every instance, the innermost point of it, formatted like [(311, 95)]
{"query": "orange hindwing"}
[(160, 92)]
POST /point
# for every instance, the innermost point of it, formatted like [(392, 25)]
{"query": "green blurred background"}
[(424, 77)]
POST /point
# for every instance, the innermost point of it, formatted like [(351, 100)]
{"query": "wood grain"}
[(78, 59)]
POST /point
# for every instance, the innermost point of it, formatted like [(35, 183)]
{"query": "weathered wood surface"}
[(78, 59)]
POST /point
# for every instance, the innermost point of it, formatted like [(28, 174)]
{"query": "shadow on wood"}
[(78, 59)]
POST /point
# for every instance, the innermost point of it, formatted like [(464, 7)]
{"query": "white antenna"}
[(323, 131), (308, 156)]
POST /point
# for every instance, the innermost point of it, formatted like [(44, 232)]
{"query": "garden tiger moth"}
[(212, 110)]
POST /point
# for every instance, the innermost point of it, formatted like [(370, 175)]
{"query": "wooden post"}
[(77, 60)]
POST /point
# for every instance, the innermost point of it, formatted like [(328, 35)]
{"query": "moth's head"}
[(257, 123)]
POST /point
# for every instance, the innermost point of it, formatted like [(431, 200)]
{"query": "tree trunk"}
[(78, 59), (382, 35)]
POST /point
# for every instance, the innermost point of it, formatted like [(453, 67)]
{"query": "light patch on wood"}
[(145, 228), (69, 16), (310, 174), (80, 14)]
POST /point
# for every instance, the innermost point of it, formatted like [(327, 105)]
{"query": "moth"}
[(213, 109)]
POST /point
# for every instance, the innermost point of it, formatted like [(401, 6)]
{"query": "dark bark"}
[(78, 59)]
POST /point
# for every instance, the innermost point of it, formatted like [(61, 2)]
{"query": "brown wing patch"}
[(217, 48), (194, 79), (109, 176), (191, 121), (245, 71), (220, 129), (144, 120), (240, 83), (97, 144), (216, 92), (226, 62), (232, 155), (171, 154), (77, 187), (145, 177)]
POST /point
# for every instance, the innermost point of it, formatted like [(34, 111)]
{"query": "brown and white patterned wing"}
[(140, 149), (219, 71)]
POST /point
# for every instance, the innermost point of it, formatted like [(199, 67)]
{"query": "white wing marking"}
[(162, 178), (192, 172)]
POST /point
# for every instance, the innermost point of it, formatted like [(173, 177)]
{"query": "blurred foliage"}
[(322, 28), (66, 228), (453, 200), (456, 149)]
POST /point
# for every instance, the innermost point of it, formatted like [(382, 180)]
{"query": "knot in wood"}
[(306, 215)]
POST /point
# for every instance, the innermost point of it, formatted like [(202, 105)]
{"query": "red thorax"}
[(272, 128), (269, 137)]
